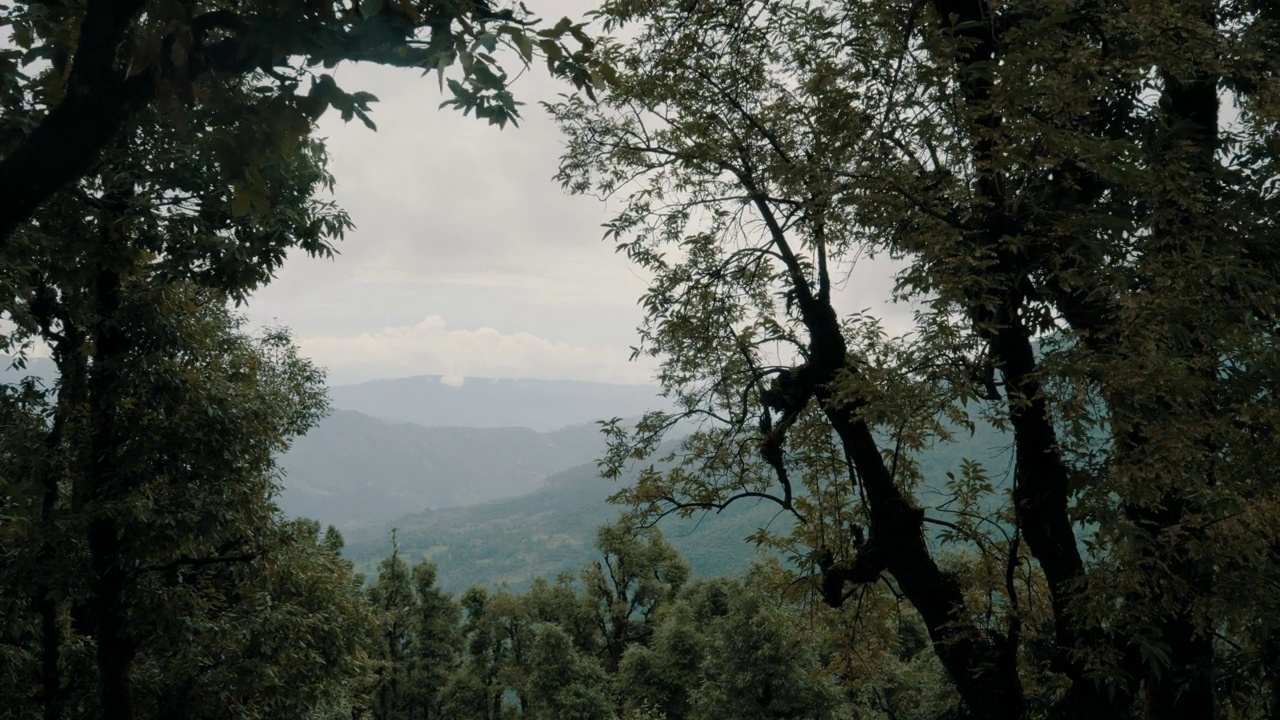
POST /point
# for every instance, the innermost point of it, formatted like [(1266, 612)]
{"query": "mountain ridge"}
[(543, 405), (353, 469)]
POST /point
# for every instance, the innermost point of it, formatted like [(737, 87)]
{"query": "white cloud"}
[(459, 220), (431, 347)]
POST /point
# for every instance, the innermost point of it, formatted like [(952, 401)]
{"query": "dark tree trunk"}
[(50, 631), (1184, 691), (71, 393), (1188, 140), (108, 480), (1041, 486), (69, 140), (983, 666)]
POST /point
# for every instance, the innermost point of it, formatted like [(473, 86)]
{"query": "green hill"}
[(353, 470), (512, 541)]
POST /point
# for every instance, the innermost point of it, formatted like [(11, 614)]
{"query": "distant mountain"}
[(510, 542), (481, 402), (353, 469), (427, 400)]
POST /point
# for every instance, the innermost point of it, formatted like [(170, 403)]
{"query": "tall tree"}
[(158, 440), (1081, 199), (169, 587), (417, 640), (639, 572), (436, 648), (393, 596)]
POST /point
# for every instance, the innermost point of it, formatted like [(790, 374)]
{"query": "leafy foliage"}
[(706, 649), (1081, 197), (79, 74), (151, 573)]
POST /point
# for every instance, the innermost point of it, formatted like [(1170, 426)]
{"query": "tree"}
[(563, 683), (286, 634), (640, 571), (759, 662), (416, 641), (436, 649), (730, 648), (1081, 197), (178, 593), (154, 451), (393, 596), (80, 73)]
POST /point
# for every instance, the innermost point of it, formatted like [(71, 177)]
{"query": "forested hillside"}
[(514, 541), (352, 470)]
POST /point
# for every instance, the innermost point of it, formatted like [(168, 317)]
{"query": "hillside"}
[(551, 530), (510, 542), (353, 470)]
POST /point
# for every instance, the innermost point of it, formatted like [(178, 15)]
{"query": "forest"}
[(1080, 200)]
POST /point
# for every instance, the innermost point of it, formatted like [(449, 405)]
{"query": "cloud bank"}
[(431, 347)]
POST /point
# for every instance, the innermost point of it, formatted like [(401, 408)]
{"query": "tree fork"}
[(983, 667)]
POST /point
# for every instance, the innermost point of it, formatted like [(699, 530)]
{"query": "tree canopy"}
[(79, 73), (157, 165), (1080, 199)]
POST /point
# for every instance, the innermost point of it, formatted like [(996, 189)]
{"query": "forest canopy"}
[(1078, 202), (1082, 199)]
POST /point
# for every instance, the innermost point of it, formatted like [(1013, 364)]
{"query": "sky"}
[(467, 259)]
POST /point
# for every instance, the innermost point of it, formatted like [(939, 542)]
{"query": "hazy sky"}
[(467, 259)]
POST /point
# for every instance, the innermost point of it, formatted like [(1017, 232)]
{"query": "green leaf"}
[(239, 201), (364, 118), (524, 45)]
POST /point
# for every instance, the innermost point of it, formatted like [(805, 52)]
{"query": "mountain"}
[(354, 470), (510, 542), (551, 530), (482, 402)]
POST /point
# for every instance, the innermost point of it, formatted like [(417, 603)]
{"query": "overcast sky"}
[(467, 259)]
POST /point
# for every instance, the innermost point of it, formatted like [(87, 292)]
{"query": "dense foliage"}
[(1081, 200), (145, 569), (78, 74), (632, 636), (157, 164)]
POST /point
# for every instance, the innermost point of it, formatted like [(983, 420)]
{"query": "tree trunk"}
[(109, 483), (983, 666), (69, 140)]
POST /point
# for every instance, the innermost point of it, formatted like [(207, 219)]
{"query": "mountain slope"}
[(353, 470), (510, 542)]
